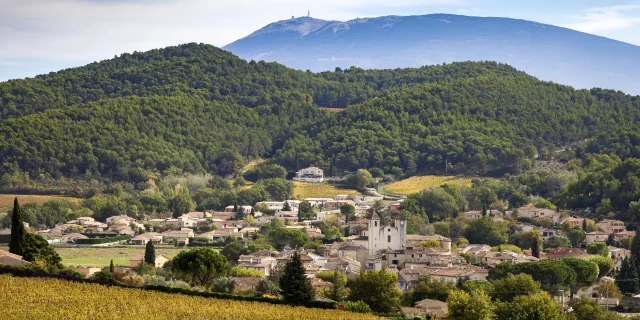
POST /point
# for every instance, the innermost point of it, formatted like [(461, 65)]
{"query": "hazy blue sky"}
[(39, 36)]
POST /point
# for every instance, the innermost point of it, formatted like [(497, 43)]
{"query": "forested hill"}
[(198, 108)]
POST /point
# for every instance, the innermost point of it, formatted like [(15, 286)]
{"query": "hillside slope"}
[(545, 51), (197, 108)]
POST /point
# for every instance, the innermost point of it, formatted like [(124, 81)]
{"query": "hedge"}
[(103, 240), (218, 295)]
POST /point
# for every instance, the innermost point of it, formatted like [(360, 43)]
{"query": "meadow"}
[(40, 298), (101, 257), (419, 183), (305, 190)]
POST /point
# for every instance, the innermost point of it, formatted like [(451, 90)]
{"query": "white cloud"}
[(606, 19)]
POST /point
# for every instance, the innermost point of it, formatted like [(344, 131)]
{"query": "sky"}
[(40, 36)]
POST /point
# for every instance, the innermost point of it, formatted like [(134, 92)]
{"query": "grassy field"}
[(419, 183), (333, 110), (252, 164), (6, 200), (100, 257), (318, 190), (39, 298)]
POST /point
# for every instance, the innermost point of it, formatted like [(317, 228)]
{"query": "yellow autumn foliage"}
[(419, 183), (38, 298)]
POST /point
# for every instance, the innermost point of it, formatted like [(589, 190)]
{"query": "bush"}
[(358, 306), (104, 277), (239, 271), (133, 280), (267, 287), (161, 281), (103, 240), (223, 285)]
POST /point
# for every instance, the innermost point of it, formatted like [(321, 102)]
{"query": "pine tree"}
[(338, 292), (584, 225), (111, 267), (150, 253), (295, 285), (535, 249), (17, 244)]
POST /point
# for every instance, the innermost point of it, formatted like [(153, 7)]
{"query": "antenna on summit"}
[(308, 13)]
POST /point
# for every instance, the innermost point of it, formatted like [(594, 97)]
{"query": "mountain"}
[(197, 108), (548, 52)]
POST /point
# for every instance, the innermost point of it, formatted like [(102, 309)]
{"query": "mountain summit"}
[(548, 52)]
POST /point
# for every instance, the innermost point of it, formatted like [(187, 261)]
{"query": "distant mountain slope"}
[(196, 108), (551, 53)]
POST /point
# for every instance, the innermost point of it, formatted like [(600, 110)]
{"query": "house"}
[(624, 235), (561, 253), (198, 215), (72, 237), (121, 229), (311, 174), (161, 259), (143, 239), (179, 236), (85, 220), (120, 220), (394, 206), (373, 264), (548, 233), (12, 259), (576, 222), (157, 222), (473, 214), (336, 204), (596, 236), (319, 260), (245, 209), (618, 254), (611, 226), (433, 307), (88, 271), (187, 221), (318, 202), (539, 213), (345, 265)]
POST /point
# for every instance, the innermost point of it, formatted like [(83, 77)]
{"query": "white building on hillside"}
[(311, 174), (381, 237)]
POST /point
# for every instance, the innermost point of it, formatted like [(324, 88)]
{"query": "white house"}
[(386, 237), (596, 236), (311, 174), (120, 220)]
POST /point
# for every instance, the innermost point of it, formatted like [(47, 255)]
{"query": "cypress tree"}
[(150, 253), (295, 285), (535, 249), (627, 278), (584, 225), (286, 206), (635, 249), (111, 267), (17, 244), (633, 277), (484, 209)]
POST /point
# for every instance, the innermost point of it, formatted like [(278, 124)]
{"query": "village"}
[(365, 240)]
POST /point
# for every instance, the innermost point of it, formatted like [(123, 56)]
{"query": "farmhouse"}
[(311, 174)]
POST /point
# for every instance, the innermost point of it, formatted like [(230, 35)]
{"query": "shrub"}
[(223, 285), (266, 287), (358, 306)]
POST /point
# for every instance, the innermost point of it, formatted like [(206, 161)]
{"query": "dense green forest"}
[(195, 108)]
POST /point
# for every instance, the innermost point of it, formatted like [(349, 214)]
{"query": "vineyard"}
[(418, 183), (318, 190), (6, 200), (38, 298)]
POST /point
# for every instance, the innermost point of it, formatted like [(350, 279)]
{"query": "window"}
[(375, 223), (394, 262), (388, 238)]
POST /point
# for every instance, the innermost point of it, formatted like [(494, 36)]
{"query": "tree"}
[(294, 284), (281, 237), (223, 285), (305, 210), (180, 202), (200, 266), (535, 249), (377, 289), (627, 278), (360, 180), (38, 249), (508, 288), (576, 236), (484, 285), (586, 273), (484, 209), (470, 306), (599, 248), (348, 211), (428, 288), (605, 265), (518, 199), (17, 243), (337, 291), (267, 287), (533, 306), (635, 249), (485, 230), (233, 250), (556, 242), (111, 267), (286, 206), (588, 309), (150, 253), (608, 289)]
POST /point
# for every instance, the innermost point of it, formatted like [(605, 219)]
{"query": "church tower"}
[(374, 233)]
